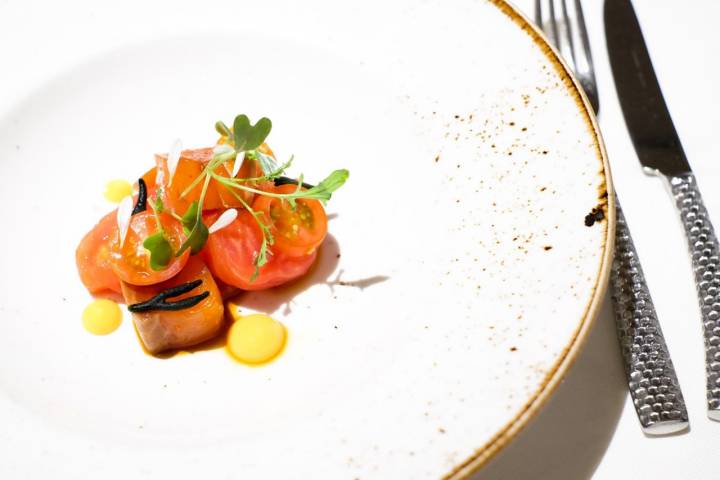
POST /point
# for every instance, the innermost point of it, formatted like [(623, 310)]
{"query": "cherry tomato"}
[(230, 254), (131, 262), (93, 257), (297, 231)]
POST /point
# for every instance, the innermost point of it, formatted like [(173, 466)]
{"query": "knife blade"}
[(659, 150)]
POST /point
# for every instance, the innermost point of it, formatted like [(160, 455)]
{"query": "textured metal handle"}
[(704, 252), (654, 387)]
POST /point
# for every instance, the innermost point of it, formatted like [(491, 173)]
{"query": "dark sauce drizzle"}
[(141, 204), (158, 302), (290, 181)]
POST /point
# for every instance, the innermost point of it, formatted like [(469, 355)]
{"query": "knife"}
[(660, 153)]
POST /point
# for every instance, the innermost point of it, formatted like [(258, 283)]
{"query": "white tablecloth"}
[(589, 428)]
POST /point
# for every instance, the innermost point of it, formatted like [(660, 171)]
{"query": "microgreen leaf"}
[(190, 217), (241, 127), (222, 129), (266, 162), (160, 250), (249, 137), (324, 190), (222, 149), (195, 241), (158, 206), (260, 259), (258, 133), (195, 230)]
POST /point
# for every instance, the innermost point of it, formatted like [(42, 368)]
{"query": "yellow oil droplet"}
[(116, 190), (256, 339), (102, 317)]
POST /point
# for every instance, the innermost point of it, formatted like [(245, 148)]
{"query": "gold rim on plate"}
[(607, 198)]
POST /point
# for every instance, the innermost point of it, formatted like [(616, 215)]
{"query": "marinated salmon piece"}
[(164, 329)]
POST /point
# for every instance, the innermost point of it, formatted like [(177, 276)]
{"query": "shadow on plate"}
[(568, 438), (271, 300)]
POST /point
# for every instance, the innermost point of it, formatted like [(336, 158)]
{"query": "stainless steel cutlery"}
[(660, 152), (652, 380)]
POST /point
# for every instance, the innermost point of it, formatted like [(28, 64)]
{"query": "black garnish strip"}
[(162, 305), (141, 204), (158, 301), (290, 181), (179, 289)]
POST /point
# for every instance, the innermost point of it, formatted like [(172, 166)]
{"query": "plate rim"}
[(482, 455), (466, 468)]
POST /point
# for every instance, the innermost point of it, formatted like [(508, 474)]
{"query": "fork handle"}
[(653, 383), (703, 245)]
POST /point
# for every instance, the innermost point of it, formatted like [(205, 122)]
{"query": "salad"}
[(200, 226)]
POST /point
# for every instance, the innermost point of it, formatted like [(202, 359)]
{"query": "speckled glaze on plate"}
[(454, 291)]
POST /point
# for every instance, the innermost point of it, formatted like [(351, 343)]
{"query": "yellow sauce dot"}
[(256, 339), (102, 317), (116, 190)]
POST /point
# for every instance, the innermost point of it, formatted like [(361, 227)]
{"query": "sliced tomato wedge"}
[(93, 257), (131, 261), (297, 231), (230, 254)]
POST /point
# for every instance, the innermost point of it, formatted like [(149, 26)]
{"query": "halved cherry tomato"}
[(93, 257), (297, 231), (131, 262), (230, 254), (189, 167)]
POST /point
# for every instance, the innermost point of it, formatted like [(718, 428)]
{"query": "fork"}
[(651, 377)]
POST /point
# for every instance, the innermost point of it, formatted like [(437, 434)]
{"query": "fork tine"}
[(544, 18), (582, 62), (562, 32), (564, 24), (550, 16)]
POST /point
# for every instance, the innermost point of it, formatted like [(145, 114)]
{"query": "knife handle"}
[(704, 251), (654, 386)]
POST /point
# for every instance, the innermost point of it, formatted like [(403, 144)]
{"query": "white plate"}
[(473, 166)]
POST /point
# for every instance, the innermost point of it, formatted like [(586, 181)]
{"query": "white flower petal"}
[(124, 213), (174, 158), (238, 163), (225, 219)]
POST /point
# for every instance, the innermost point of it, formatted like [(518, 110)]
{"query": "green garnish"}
[(322, 191), (160, 250), (266, 162), (248, 137), (195, 230), (158, 206), (188, 220), (222, 129), (242, 141)]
